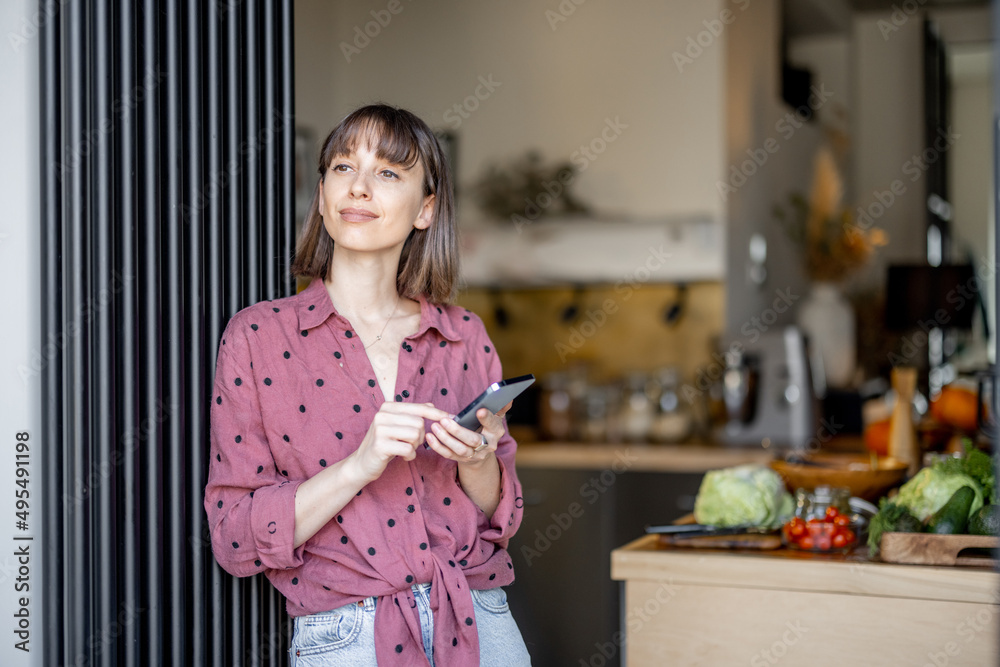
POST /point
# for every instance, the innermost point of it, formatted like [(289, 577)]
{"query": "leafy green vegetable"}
[(891, 518), (742, 495), (976, 464), (931, 488)]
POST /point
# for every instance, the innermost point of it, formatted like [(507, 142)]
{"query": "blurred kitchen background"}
[(679, 128), (681, 217)]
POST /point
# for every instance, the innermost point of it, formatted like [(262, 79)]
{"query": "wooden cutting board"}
[(743, 541), (929, 549)]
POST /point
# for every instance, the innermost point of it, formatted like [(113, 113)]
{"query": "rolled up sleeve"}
[(506, 519), (249, 503)]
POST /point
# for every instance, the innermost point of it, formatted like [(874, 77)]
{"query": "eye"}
[(389, 173), (339, 168)]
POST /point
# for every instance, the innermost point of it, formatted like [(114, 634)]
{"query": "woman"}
[(336, 466)]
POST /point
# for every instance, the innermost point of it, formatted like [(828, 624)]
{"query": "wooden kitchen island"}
[(726, 607)]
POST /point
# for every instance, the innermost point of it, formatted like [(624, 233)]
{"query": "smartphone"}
[(494, 398)]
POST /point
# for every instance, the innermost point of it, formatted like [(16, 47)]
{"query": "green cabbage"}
[(742, 495), (931, 488)]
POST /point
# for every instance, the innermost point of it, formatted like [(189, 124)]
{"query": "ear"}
[(426, 216), (322, 203)]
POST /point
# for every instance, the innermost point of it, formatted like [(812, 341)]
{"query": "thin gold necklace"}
[(379, 336)]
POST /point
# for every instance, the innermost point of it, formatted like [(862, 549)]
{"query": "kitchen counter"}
[(707, 607)]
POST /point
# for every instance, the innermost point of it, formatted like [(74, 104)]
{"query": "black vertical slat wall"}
[(168, 204)]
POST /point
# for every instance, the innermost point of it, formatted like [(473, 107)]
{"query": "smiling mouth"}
[(357, 215)]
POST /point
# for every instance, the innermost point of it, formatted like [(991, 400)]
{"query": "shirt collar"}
[(315, 306)]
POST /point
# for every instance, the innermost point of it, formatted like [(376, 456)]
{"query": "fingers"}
[(422, 410)]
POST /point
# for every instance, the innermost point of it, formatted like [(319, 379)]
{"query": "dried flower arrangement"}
[(833, 243)]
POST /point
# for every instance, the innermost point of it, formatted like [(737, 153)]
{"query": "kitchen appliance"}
[(768, 392)]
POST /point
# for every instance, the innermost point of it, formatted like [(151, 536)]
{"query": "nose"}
[(360, 187)]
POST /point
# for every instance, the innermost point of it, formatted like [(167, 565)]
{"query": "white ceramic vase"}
[(828, 319)]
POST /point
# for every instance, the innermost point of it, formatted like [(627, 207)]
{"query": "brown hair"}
[(429, 260)]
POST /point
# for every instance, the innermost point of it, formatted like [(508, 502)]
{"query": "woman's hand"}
[(465, 446), (478, 469), (396, 430)]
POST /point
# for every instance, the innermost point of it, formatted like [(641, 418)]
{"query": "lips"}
[(357, 215)]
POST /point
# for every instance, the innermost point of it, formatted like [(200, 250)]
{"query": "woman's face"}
[(369, 204)]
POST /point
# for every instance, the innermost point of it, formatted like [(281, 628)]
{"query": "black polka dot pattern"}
[(255, 423)]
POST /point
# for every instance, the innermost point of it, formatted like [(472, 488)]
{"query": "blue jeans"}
[(346, 635)]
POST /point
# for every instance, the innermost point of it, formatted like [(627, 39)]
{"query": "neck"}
[(363, 286)]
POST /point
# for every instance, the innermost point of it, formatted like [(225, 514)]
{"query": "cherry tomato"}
[(806, 542), (842, 520), (832, 513), (797, 529), (839, 541), (850, 536)]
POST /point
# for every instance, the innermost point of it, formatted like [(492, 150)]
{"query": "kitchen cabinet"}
[(703, 607), (580, 502)]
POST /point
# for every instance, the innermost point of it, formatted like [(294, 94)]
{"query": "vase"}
[(827, 318)]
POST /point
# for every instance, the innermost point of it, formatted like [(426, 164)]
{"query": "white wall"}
[(19, 274), (556, 89)]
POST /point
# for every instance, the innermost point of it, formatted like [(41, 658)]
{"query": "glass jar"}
[(814, 504), (637, 408), (673, 419), (556, 410), (823, 521)]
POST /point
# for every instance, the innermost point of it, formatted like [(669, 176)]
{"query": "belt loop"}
[(369, 603)]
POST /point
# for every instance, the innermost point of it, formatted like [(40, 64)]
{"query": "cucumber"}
[(953, 517)]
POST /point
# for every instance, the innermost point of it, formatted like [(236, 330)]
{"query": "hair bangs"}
[(387, 134)]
